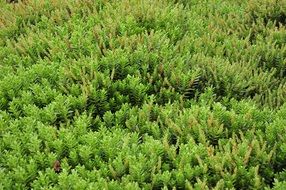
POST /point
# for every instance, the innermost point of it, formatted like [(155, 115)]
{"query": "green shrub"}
[(142, 94)]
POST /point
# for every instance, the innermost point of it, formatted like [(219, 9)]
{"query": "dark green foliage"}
[(153, 94)]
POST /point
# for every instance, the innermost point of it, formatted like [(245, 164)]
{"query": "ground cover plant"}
[(153, 94)]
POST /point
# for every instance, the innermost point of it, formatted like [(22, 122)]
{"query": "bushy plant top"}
[(153, 94)]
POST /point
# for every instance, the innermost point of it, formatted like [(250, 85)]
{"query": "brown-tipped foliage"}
[(153, 94)]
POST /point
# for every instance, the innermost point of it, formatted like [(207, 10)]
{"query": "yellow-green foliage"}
[(142, 94)]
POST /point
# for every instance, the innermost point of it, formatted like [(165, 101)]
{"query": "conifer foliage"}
[(153, 94)]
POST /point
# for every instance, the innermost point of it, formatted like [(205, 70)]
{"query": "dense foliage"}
[(151, 94)]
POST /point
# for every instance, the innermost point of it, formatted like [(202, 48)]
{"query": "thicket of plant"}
[(153, 94)]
